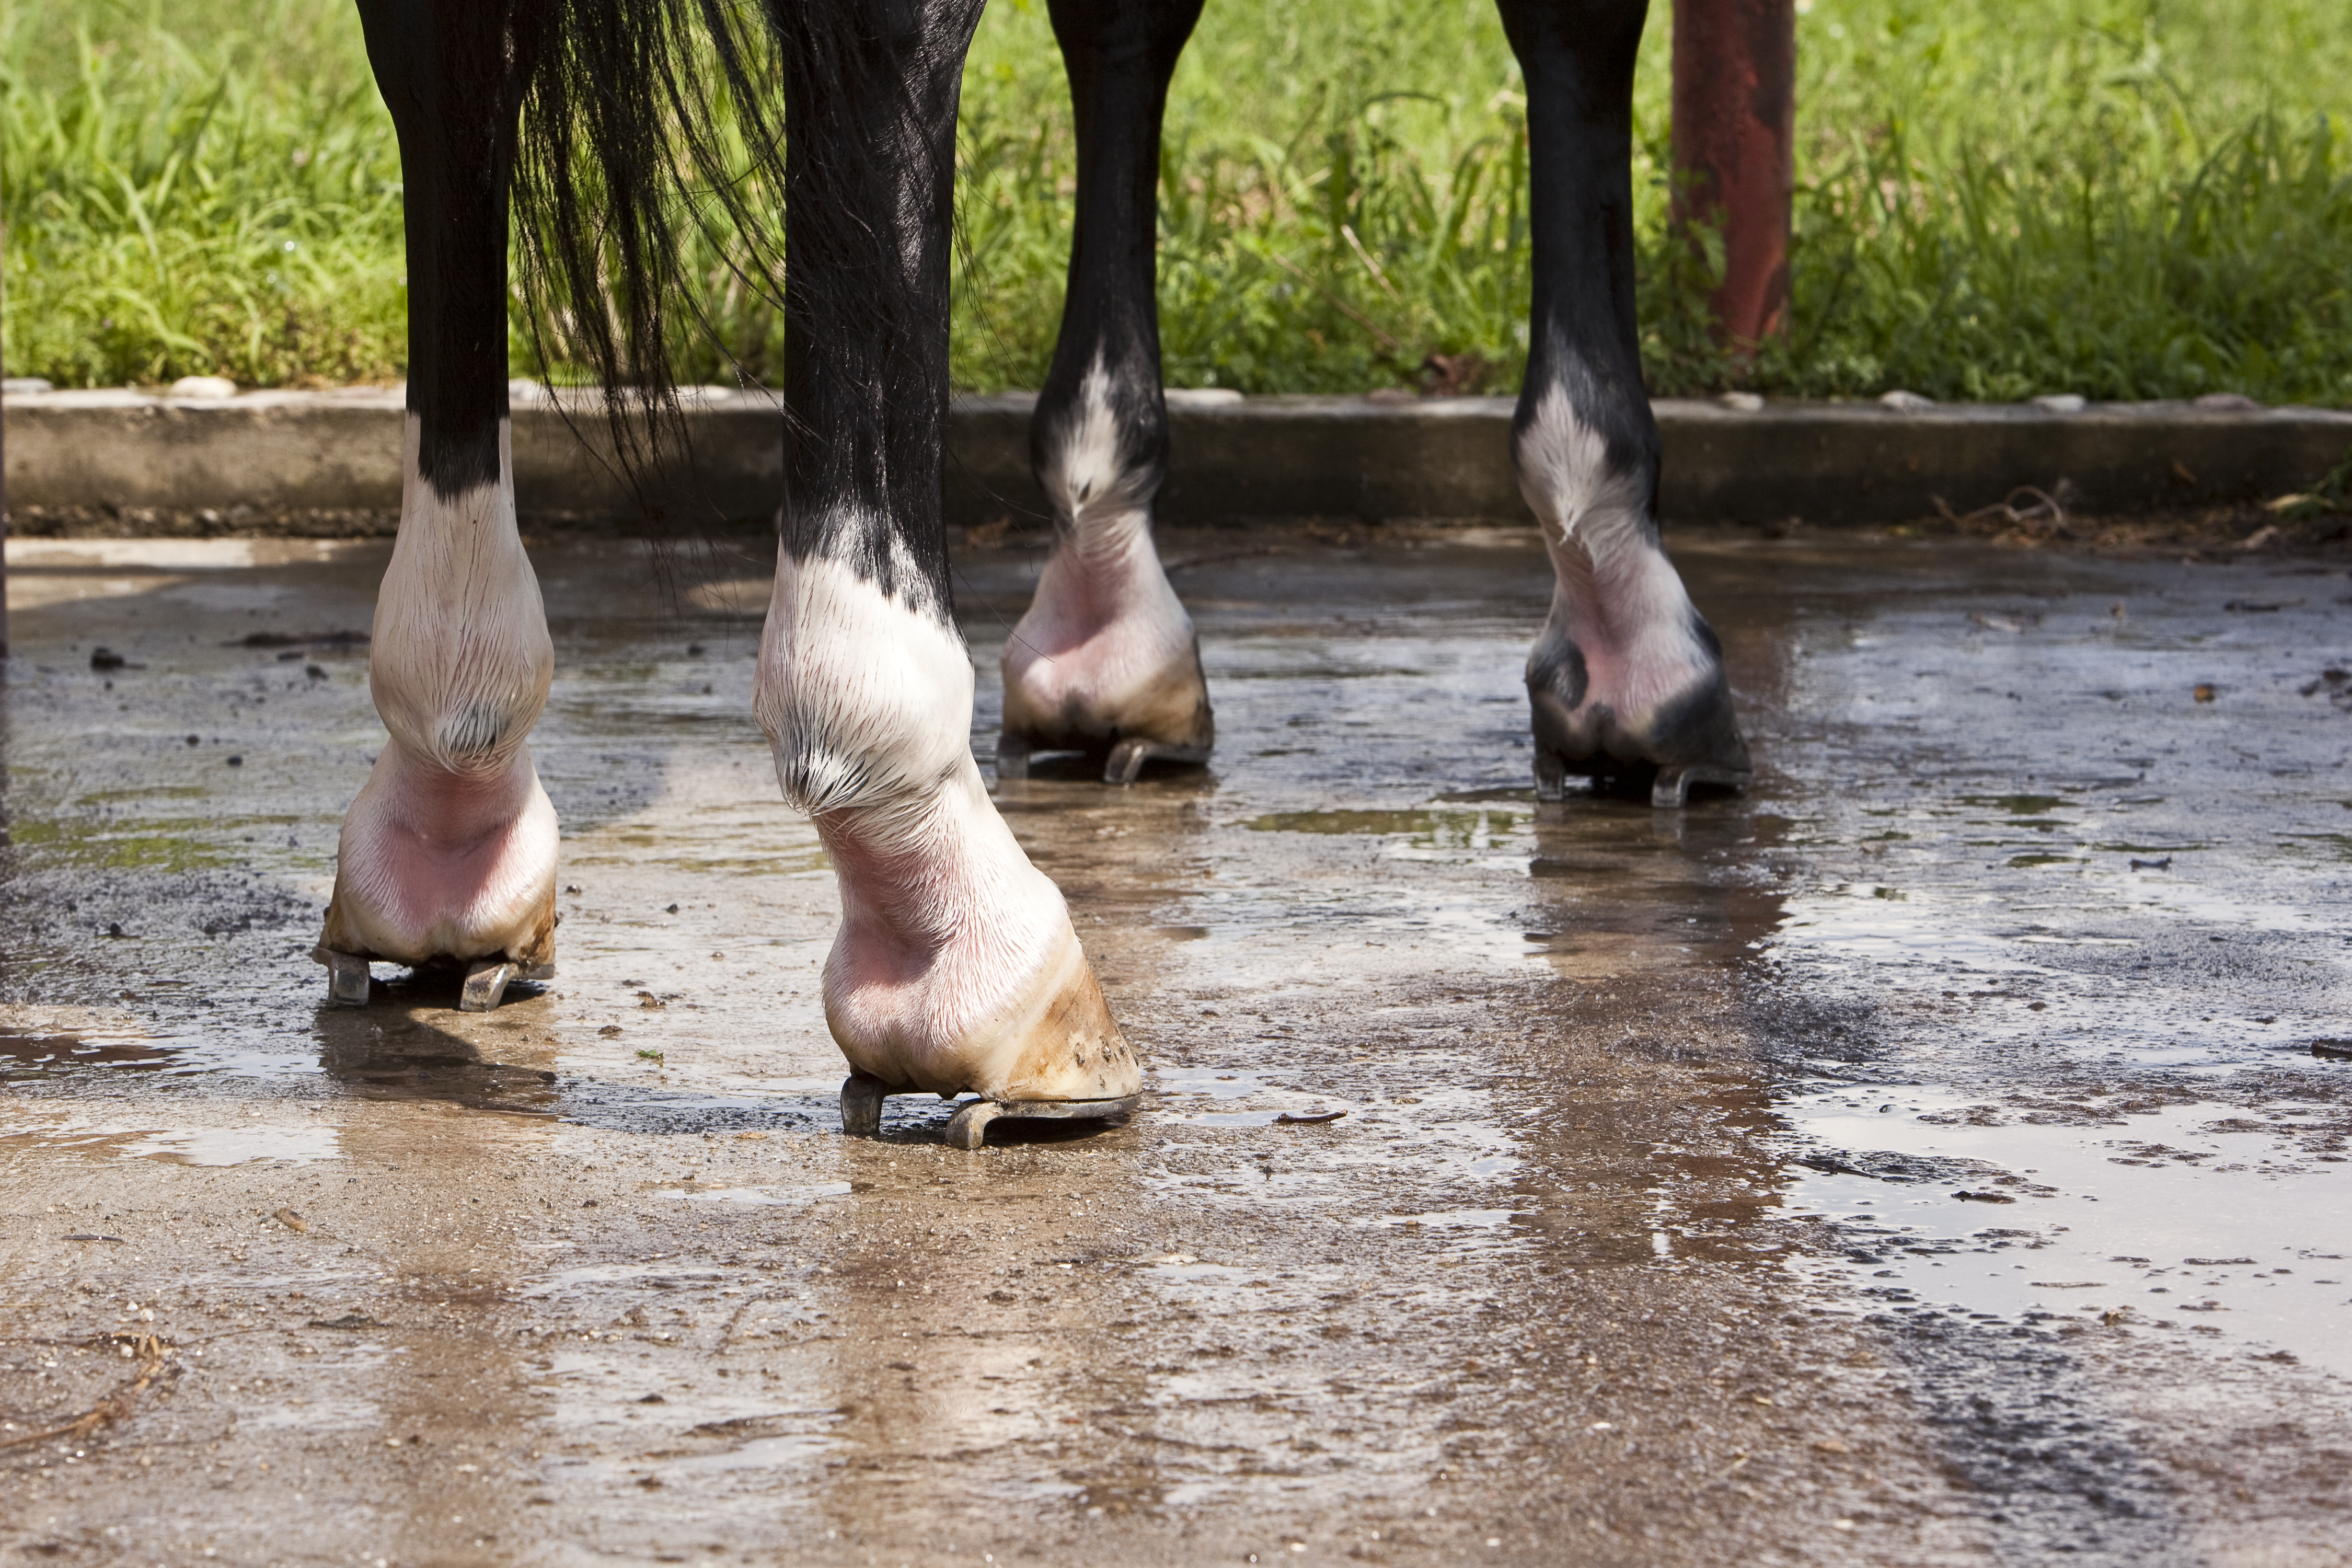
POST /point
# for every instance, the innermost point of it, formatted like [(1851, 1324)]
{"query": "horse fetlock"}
[(1106, 661), (435, 864), (1626, 682), (460, 661), (449, 851), (865, 697)]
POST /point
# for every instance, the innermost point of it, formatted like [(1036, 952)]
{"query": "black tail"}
[(645, 117), (642, 120)]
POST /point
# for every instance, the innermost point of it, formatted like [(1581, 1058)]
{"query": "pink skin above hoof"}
[(444, 865), (1106, 651), (956, 968), (1626, 679)]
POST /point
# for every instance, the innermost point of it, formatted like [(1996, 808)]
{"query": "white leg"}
[(450, 849), (1106, 654), (956, 966)]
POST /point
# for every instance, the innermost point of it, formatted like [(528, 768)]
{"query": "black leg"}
[(1105, 660), (1626, 682), (870, 95), (444, 69)]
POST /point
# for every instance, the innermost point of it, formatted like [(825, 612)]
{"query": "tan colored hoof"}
[(1166, 719), (1070, 1048)]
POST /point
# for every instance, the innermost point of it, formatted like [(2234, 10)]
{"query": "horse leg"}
[(448, 853), (1106, 658), (1626, 680), (955, 966)]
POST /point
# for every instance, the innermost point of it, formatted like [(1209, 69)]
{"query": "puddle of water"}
[(40, 1040), (568, 1281), (1220, 1085), (239, 1145), (218, 1146), (2194, 1218), (1432, 828)]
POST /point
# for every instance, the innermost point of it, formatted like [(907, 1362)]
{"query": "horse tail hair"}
[(642, 122)]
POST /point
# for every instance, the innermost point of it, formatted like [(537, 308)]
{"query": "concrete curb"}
[(116, 460)]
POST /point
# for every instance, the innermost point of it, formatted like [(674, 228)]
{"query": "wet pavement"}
[(1924, 1159)]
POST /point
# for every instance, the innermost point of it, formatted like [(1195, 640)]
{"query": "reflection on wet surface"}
[(1923, 1158)]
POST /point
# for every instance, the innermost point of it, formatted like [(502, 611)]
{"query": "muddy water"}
[(1922, 1158)]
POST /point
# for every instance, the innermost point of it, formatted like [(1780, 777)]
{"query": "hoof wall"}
[(347, 978), (1672, 789), (1127, 759), (1124, 766), (1669, 787), (969, 1127)]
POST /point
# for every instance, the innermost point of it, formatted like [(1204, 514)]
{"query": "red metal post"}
[(1734, 107)]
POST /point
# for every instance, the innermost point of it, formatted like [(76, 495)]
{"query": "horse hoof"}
[(969, 1128), (347, 977), (1670, 791), (861, 1106), (486, 980)]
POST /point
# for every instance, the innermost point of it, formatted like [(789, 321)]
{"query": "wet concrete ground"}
[(1924, 1159)]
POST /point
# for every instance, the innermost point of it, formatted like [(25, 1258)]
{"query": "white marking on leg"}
[(1087, 474), (866, 700), (1106, 625), (450, 847), (460, 661), (948, 935), (1615, 595)]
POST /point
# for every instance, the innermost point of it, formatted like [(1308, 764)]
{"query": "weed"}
[(2120, 198)]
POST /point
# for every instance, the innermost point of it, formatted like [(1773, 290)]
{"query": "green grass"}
[(2122, 198)]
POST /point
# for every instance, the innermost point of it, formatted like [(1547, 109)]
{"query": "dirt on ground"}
[(1935, 1155)]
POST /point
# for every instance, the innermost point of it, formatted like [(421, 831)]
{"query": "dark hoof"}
[(1660, 752), (1667, 788), (347, 977), (861, 1106), (1671, 789), (1122, 760)]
